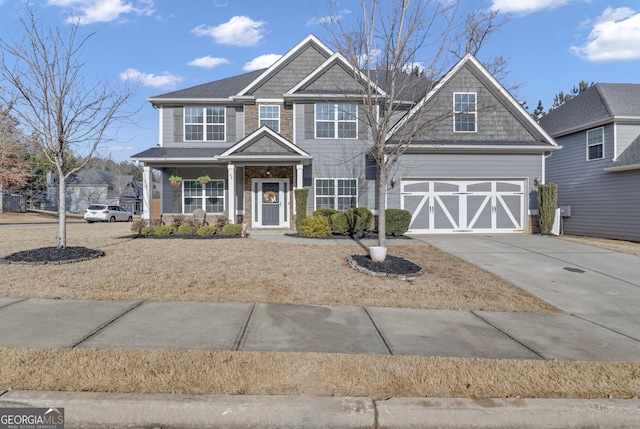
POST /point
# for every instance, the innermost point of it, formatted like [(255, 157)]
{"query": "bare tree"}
[(67, 112), (398, 50)]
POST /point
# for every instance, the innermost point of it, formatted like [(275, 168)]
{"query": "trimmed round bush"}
[(315, 226), (397, 221), (232, 229), (339, 224), (359, 219), (185, 229), (326, 212), (207, 231), (147, 231), (163, 230)]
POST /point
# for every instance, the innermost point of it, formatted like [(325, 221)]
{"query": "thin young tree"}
[(398, 50), (67, 112)]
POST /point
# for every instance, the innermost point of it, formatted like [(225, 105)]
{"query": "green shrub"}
[(207, 231), (326, 212), (302, 196), (147, 231), (315, 226), (397, 221), (185, 230), (359, 219), (547, 205), (232, 229), (163, 230), (339, 224)]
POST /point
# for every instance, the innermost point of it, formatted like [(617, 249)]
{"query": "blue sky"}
[(550, 45)]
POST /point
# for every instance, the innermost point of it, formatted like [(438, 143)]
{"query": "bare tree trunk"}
[(62, 210), (382, 200)]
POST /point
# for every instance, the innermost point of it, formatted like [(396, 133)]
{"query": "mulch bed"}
[(52, 255), (392, 266)]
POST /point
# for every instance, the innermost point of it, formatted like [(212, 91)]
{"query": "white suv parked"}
[(106, 213)]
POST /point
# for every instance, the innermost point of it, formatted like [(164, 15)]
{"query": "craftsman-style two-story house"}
[(262, 134)]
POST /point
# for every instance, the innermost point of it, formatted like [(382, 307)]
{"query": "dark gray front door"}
[(271, 204)]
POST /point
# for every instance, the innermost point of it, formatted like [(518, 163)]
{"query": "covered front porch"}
[(250, 182)]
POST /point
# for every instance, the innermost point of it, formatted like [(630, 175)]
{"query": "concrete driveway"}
[(594, 284)]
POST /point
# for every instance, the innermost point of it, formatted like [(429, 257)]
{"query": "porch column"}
[(299, 179), (231, 201), (147, 193)]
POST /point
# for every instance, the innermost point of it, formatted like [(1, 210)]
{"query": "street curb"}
[(136, 410)]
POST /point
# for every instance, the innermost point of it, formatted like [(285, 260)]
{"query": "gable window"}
[(595, 144), (339, 194), (204, 124), (269, 116), (336, 121), (464, 112), (209, 197)]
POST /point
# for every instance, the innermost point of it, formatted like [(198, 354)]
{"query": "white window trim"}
[(474, 113), (204, 123), (590, 145), (269, 119), (335, 187), (203, 197), (335, 122)]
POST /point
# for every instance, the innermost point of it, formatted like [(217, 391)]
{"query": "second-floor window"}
[(595, 144), (336, 121), (269, 116), (464, 112), (204, 124)]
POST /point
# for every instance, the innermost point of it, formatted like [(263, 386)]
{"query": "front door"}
[(271, 203)]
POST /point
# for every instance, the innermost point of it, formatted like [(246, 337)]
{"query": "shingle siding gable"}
[(496, 120), (290, 74)]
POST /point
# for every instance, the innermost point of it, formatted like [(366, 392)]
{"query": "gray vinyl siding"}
[(173, 128), (625, 134), (467, 166), (172, 196), (603, 204), (332, 158)]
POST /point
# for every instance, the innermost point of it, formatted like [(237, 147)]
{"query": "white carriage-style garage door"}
[(443, 206)]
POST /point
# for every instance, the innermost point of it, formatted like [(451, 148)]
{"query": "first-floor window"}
[(209, 197), (339, 194)]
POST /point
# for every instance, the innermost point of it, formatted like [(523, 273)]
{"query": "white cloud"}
[(526, 6), (261, 62), (208, 62), (615, 36), (329, 19), (91, 11), (165, 80), (239, 31)]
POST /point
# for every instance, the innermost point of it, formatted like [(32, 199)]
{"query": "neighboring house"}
[(97, 186), (598, 168), (262, 134)]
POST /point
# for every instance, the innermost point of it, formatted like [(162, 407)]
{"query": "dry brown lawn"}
[(247, 270)]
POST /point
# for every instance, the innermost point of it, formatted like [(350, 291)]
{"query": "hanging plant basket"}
[(204, 179), (175, 180)]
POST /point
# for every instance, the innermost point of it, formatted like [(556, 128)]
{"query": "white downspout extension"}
[(147, 193), (231, 201)]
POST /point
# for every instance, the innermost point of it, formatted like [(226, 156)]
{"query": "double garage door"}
[(443, 206)]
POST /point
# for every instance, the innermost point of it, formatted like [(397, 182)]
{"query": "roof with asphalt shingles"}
[(631, 156), (178, 152), (223, 88), (599, 103)]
